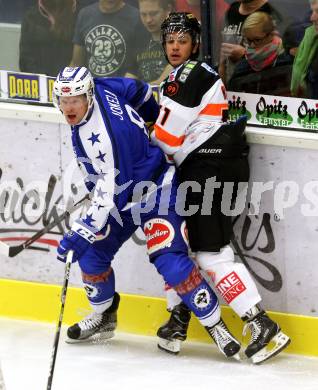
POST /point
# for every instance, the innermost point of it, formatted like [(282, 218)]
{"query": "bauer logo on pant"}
[(201, 298), (230, 287), (159, 234)]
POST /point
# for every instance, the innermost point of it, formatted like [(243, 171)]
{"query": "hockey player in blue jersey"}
[(110, 140)]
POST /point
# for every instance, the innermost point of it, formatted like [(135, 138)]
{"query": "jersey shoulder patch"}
[(192, 81)]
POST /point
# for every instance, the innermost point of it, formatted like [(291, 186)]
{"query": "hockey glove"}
[(77, 239)]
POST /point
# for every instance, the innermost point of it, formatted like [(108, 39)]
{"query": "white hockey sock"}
[(102, 306), (231, 279)]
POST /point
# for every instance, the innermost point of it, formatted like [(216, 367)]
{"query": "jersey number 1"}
[(166, 113)]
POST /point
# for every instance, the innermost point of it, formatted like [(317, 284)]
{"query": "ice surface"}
[(130, 362)]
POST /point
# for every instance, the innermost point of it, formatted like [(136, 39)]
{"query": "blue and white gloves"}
[(78, 240)]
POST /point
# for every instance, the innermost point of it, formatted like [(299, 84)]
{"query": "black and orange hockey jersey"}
[(193, 106)]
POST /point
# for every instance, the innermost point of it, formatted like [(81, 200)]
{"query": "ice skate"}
[(96, 326), (224, 340), (174, 330), (264, 333)]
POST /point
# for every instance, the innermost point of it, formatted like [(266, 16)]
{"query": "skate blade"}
[(170, 346), (237, 357), (281, 342), (92, 339)]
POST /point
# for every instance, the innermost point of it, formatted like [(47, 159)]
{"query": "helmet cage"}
[(181, 22)]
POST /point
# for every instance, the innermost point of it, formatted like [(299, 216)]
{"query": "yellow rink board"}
[(137, 314)]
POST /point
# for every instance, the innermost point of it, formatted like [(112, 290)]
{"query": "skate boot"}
[(175, 329), (224, 340), (264, 331), (95, 326)]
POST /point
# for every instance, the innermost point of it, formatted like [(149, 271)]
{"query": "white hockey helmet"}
[(73, 82)]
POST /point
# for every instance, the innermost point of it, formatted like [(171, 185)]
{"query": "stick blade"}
[(15, 250), (10, 251)]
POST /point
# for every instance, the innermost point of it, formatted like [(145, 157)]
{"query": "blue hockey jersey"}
[(114, 148)]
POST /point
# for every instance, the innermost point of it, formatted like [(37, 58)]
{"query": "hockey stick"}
[(11, 251), (59, 324)]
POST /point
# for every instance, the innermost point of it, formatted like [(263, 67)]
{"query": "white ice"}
[(130, 362)]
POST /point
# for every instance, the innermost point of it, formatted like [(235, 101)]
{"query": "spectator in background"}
[(106, 36), (305, 70), (150, 61), (46, 39), (231, 46), (264, 51)]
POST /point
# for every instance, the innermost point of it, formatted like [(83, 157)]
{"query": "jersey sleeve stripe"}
[(214, 109), (167, 138)]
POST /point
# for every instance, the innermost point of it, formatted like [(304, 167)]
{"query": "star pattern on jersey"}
[(89, 220), (101, 156), (100, 193), (101, 175), (94, 138)]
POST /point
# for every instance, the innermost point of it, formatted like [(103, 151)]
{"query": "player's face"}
[(179, 48), (314, 15), (152, 15), (73, 108)]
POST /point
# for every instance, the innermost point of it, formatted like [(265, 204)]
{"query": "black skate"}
[(175, 329), (224, 340), (96, 326), (263, 332)]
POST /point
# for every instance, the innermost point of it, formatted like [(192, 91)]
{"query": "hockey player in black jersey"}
[(192, 129)]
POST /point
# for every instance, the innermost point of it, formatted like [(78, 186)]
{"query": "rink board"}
[(137, 314), (278, 245)]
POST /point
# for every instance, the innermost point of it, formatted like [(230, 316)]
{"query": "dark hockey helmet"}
[(182, 22)]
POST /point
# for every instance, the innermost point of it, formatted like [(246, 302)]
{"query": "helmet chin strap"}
[(89, 111), (87, 116)]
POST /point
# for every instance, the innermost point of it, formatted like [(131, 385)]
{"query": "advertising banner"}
[(28, 87), (262, 110), (275, 111)]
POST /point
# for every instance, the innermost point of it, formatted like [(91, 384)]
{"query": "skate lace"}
[(91, 321), (221, 336), (254, 327)]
